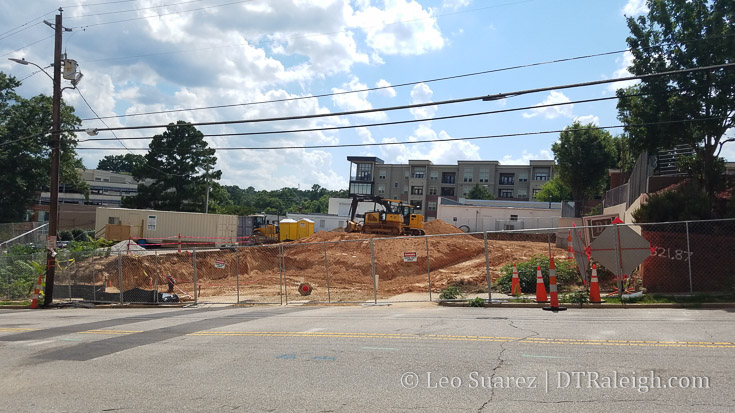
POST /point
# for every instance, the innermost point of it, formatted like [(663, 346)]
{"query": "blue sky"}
[(231, 52)]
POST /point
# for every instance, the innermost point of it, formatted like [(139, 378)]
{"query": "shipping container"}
[(155, 227)]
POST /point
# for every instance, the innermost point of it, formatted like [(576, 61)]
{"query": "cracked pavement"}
[(358, 358)]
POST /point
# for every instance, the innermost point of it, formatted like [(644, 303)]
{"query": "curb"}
[(590, 306)]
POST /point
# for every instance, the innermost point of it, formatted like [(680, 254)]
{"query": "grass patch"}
[(15, 303)]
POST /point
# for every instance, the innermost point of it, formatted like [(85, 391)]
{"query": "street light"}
[(55, 141)]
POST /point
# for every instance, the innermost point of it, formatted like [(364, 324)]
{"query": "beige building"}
[(421, 182)]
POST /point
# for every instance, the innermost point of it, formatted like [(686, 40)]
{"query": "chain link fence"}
[(662, 258)]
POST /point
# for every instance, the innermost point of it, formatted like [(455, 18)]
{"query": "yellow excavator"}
[(395, 218)]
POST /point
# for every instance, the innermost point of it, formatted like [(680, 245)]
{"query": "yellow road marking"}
[(17, 329), (530, 340)]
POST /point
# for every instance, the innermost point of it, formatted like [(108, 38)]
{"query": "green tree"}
[(27, 162), (554, 191), (121, 163), (682, 34), (179, 167), (583, 155), (479, 192)]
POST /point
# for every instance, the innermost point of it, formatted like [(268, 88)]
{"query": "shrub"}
[(79, 235), (476, 302), (686, 202), (566, 273), (450, 293), (66, 236)]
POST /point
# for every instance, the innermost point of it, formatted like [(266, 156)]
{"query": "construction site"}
[(338, 267)]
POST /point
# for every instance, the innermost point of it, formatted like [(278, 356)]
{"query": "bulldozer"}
[(259, 230), (395, 217)]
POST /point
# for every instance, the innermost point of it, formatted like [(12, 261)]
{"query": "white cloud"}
[(387, 91), (455, 4), (587, 119), (421, 93), (635, 7), (525, 157), (552, 112), (436, 152), (356, 101), (401, 28), (623, 63)]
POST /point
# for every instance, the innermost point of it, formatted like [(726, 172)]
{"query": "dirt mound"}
[(437, 227)]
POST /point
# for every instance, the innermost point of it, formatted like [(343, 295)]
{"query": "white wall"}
[(480, 219), (321, 222), (341, 207)]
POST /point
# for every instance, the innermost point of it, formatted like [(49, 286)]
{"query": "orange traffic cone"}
[(570, 251), (36, 292), (594, 287), (515, 288), (552, 289), (540, 288)]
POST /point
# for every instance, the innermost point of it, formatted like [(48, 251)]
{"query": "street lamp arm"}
[(25, 62)]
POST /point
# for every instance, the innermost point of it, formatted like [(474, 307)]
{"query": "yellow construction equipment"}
[(395, 217)]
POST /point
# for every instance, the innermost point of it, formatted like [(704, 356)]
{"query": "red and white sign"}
[(219, 264), (409, 257)]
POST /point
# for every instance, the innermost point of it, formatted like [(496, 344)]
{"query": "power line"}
[(498, 96), (505, 135), (503, 69), (99, 4), (3, 34), (28, 45), (133, 10), (160, 15), (367, 125), (121, 142)]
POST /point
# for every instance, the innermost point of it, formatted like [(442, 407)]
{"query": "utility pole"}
[(54, 189)]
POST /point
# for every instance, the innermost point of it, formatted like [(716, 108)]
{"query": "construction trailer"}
[(149, 226)]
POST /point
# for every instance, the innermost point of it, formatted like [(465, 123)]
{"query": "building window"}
[(322, 223), (419, 172), (447, 191), (152, 220), (523, 177), (417, 205), (505, 193), (360, 189), (432, 206), (364, 172), (507, 179), (417, 190), (535, 192), (448, 177), (484, 175), (113, 220), (432, 190), (405, 189), (465, 190), (382, 174), (405, 174), (468, 175), (395, 184), (514, 217), (541, 174), (381, 189), (522, 194), (434, 176)]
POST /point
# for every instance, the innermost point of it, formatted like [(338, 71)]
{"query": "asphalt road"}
[(360, 358)]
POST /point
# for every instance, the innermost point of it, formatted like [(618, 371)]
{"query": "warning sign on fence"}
[(219, 264), (409, 257)]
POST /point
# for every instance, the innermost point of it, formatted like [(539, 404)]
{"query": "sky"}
[(284, 58)]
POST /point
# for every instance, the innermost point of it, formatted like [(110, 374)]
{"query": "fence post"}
[(179, 242), (94, 278), (280, 273), (155, 278), (689, 260), (237, 272), (618, 263), (428, 265), (282, 264), (120, 271), (372, 264), (326, 268), (487, 268), (194, 264)]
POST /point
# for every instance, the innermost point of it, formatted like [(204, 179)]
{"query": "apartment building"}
[(421, 183)]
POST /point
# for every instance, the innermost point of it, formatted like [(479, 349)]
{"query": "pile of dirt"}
[(438, 226)]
